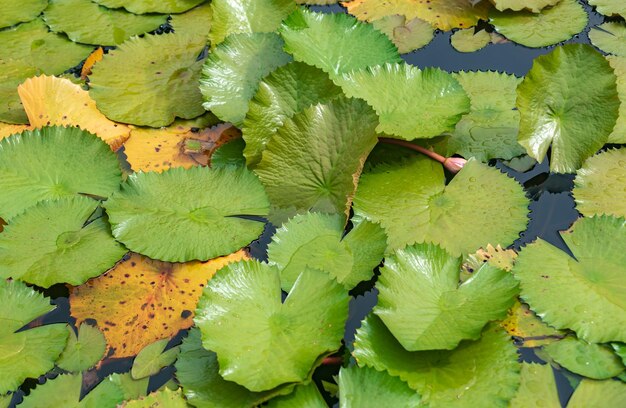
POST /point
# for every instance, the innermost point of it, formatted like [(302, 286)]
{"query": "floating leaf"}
[(27, 10), (86, 22), (229, 154), (75, 162), (91, 60), (568, 101), (151, 6), (65, 391), (27, 353), (246, 297), (13, 73), (55, 101), (595, 361), (437, 100), (610, 37), (164, 398), (367, 387), (152, 358), (609, 7), (160, 84), (196, 21), (599, 184), (317, 241), (141, 301), (173, 216), (412, 203), (247, 16), (551, 26), (475, 374), (468, 40), (528, 328), (314, 160), (83, 351), (8, 129), (232, 72), (131, 389), (303, 396), (590, 393), (370, 10), (537, 388), (579, 294), (619, 67), (289, 89), (495, 256), (406, 34), (306, 35), (516, 5)]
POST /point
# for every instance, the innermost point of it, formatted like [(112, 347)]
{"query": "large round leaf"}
[(368, 387), (314, 160), (245, 298), (232, 72), (412, 203), (582, 293), (590, 393), (287, 90), (537, 388), (83, 350), (185, 214), (568, 101), (58, 242), (599, 184), (516, 5), (437, 99), (18, 11), (423, 305), (591, 360), (65, 391), (160, 81), (51, 163), (483, 373), (85, 22), (358, 45), (151, 6)]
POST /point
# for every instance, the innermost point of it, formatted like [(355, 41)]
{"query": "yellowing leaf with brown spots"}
[(529, 329), (141, 300), (178, 145), (50, 100), (8, 129), (91, 61)]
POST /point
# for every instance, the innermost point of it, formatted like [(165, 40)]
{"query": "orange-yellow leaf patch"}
[(50, 100), (91, 61), (141, 300), (8, 129), (529, 329)]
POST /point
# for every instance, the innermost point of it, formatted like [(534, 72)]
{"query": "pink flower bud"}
[(454, 164)]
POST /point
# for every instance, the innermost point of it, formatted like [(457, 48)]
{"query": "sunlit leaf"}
[(196, 21), (232, 72), (83, 351), (528, 328), (245, 297), (437, 99), (568, 101), (75, 162), (55, 101), (368, 387), (160, 81), (582, 294), (551, 26), (609, 7), (537, 388), (181, 214), (595, 361), (8, 129), (13, 73), (152, 358), (610, 38), (619, 68), (495, 256), (516, 5), (13, 13), (141, 301), (475, 374), (151, 6), (65, 391), (303, 396), (590, 393), (407, 34), (90, 61), (164, 398), (314, 160), (467, 40), (287, 90), (86, 22), (28, 353)]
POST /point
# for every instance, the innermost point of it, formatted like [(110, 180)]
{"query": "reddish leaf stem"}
[(412, 146), (332, 361)]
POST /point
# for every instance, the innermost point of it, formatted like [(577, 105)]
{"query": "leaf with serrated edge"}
[(619, 68), (152, 358), (468, 40), (165, 398), (516, 5), (590, 393), (303, 396), (368, 387), (596, 361), (196, 21), (83, 351), (599, 184), (537, 388), (151, 6)]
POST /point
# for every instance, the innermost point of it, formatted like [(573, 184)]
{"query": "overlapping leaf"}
[(407, 34), (12, 13), (302, 396), (516, 5), (163, 398), (609, 7), (152, 358), (468, 40), (590, 393), (619, 68), (537, 387), (528, 328), (610, 37), (65, 391), (368, 387), (13, 73), (151, 6), (84, 350), (595, 361), (196, 21)]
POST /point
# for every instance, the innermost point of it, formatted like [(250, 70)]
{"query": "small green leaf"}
[(303, 396), (591, 360), (65, 391), (83, 351), (229, 154), (131, 389), (610, 38), (151, 359), (468, 40), (164, 398), (368, 387), (590, 393), (537, 388), (12, 74), (407, 34), (195, 22), (151, 6)]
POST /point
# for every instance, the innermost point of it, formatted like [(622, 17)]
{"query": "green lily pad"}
[(289, 89), (14, 12), (173, 215), (551, 26), (160, 81), (516, 5), (610, 38), (483, 373), (247, 16), (303, 396), (152, 358), (568, 101), (368, 387), (197, 371), (609, 7), (450, 312), (165, 398), (75, 162), (12, 74), (406, 34), (437, 99), (28, 353), (590, 393), (619, 68), (314, 160), (599, 184), (245, 297), (316, 241), (358, 45), (412, 203), (468, 40), (537, 388), (195, 22), (65, 391), (132, 389), (83, 351), (229, 154), (58, 242), (620, 350), (595, 361), (491, 127), (151, 6), (579, 294), (232, 72), (85, 22)]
